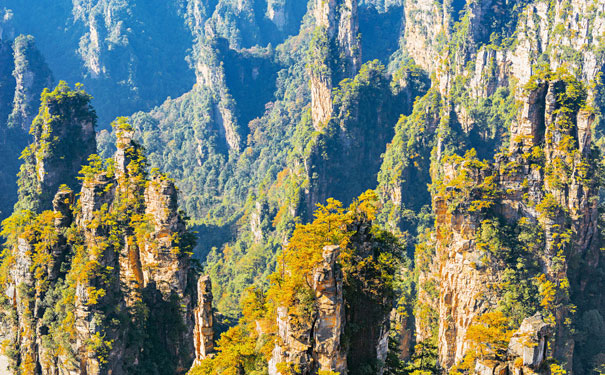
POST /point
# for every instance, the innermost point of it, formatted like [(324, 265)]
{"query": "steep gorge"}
[(481, 135)]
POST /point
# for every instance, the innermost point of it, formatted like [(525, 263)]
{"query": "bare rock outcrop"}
[(542, 189), (64, 138), (31, 76), (211, 75), (204, 321), (336, 25), (315, 345), (530, 342), (90, 279)]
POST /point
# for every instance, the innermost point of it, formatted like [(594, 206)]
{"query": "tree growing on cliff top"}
[(367, 276), (488, 339)]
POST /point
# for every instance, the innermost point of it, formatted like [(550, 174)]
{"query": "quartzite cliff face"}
[(103, 284), (348, 326), (541, 190), (315, 345), (335, 36), (97, 275)]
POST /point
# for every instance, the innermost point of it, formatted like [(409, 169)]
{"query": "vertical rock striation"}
[(31, 76), (64, 137), (335, 39), (102, 285), (315, 345), (23, 76), (204, 321), (543, 188)]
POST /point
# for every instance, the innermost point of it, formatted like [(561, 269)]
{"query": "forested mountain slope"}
[(23, 75), (377, 186)]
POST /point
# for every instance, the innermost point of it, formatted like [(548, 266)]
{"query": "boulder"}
[(529, 342)]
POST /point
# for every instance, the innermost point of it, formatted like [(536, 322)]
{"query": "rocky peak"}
[(530, 341), (327, 284), (210, 74), (315, 345), (129, 252), (62, 205), (64, 137), (531, 183), (161, 203), (339, 20), (31, 75), (336, 38), (23, 76), (203, 314), (94, 195), (417, 40), (161, 257), (125, 147), (529, 129), (526, 351)]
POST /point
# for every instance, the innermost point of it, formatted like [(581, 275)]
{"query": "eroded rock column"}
[(204, 331)]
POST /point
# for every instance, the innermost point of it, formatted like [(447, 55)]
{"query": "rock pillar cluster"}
[(545, 181)]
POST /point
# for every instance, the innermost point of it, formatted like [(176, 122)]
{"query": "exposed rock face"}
[(530, 342), (246, 23), (127, 275), (257, 216), (327, 284), (459, 283), (29, 284), (526, 351), (555, 30), (336, 37), (512, 188), (563, 26), (424, 23), (277, 13), (315, 345), (321, 94), (161, 258), (23, 76), (211, 74), (204, 331), (64, 138), (31, 75), (230, 76), (344, 159), (340, 309), (492, 71), (430, 24)]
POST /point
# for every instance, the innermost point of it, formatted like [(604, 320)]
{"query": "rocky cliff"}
[(204, 321), (336, 53), (64, 137), (345, 326), (23, 76), (507, 273), (538, 192), (31, 75), (229, 76), (314, 345), (103, 284)]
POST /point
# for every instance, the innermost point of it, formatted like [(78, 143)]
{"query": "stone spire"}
[(204, 332)]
